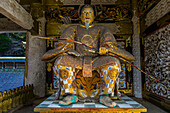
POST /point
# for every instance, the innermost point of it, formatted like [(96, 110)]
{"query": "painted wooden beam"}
[(14, 11)]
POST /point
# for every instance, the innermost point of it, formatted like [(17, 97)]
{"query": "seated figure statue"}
[(72, 57)]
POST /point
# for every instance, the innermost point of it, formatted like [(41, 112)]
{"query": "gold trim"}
[(50, 43), (12, 57), (49, 65), (89, 26), (100, 110), (128, 90)]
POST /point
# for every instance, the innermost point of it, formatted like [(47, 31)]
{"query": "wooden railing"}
[(15, 97), (12, 64)]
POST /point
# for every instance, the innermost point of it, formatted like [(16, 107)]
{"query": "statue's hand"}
[(103, 50), (73, 52)]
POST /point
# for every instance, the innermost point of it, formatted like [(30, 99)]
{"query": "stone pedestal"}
[(125, 105), (36, 74)]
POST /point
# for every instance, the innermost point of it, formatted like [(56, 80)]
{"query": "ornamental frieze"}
[(72, 2), (157, 61), (145, 5), (81, 2), (94, 2), (105, 14), (161, 9)]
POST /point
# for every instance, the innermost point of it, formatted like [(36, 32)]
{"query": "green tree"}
[(19, 36), (5, 43)]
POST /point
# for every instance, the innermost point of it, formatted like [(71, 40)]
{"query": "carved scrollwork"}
[(103, 2), (157, 61), (161, 9), (80, 2), (145, 5), (72, 2), (105, 13)]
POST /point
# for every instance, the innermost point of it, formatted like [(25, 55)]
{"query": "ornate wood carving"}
[(157, 61), (94, 2), (72, 2), (105, 13), (145, 5), (161, 9)]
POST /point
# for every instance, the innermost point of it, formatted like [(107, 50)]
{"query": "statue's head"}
[(87, 14)]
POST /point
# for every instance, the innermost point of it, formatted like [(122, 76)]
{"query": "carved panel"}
[(113, 13), (107, 13), (145, 5), (157, 61), (94, 2), (161, 9), (72, 2)]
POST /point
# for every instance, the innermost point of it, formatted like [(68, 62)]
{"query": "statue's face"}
[(87, 15)]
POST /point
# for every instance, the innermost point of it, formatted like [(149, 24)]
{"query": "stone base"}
[(157, 100), (125, 105)]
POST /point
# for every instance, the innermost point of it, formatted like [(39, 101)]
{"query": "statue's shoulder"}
[(100, 27), (73, 25), (70, 27)]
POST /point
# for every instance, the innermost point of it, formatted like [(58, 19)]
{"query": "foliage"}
[(19, 36), (5, 43), (12, 44)]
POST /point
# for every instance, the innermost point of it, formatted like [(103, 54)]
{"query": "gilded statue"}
[(98, 57), (1, 101)]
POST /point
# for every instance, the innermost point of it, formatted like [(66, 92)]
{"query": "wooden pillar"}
[(14, 11)]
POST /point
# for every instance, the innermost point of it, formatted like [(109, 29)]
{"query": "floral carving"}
[(105, 13), (161, 9), (157, 61)]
